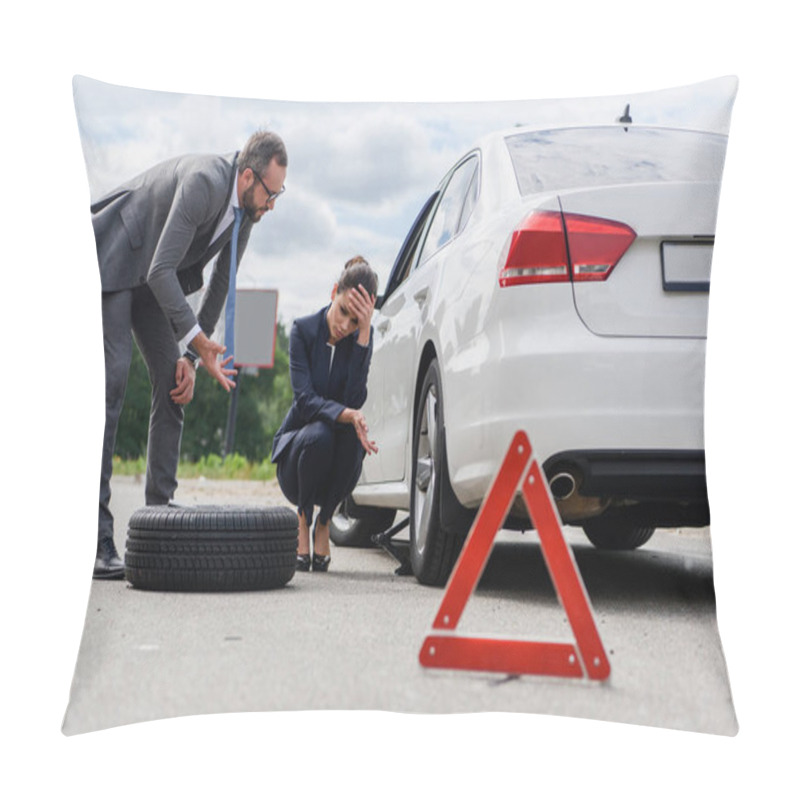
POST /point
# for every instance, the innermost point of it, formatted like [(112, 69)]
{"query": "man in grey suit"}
[(154, 235)]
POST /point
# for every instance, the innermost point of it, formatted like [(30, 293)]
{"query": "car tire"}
[(434, 546), (354, 526), (616, 534), (211, 548)]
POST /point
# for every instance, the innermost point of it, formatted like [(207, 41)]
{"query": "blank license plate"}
[(686, 266)]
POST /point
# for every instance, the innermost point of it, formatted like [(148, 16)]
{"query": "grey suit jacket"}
[(156, 229)]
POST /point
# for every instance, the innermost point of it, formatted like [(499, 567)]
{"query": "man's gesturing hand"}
[(221, 371)]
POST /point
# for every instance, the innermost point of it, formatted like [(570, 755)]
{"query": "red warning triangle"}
[(587, 656)]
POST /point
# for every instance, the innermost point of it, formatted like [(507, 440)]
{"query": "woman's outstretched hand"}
[(355, 418)]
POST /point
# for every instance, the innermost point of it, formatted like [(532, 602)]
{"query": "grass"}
[(232, 467)]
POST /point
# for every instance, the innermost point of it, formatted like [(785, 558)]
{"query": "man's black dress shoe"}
[(108, 565)]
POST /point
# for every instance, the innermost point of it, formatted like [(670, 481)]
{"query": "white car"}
[(556, 282)]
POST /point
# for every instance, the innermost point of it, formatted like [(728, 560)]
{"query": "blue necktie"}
[(230, 303)]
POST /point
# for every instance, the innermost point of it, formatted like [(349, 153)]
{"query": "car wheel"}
[(616, 534), (211, 548), (349, 530), (434, 547)]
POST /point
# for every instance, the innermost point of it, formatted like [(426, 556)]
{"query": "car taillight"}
[(537, 251)]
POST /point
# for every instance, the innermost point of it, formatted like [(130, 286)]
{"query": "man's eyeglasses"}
[(270, 195)]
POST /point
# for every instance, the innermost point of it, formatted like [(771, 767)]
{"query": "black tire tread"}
[(211, 548), (211, 535), (192, 580), (213, 518), (616, 535), (238, 563), (443, 544)]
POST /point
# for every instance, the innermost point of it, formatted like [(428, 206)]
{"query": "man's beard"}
[(250, 208)]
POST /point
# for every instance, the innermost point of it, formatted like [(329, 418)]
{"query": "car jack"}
[(384, 540)]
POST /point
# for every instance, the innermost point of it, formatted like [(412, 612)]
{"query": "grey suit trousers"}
[(137, 311)]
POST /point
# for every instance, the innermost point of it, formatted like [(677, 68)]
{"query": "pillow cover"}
[(358, 175)]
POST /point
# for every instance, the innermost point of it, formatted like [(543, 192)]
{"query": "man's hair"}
[(259, 151), (358, 271)]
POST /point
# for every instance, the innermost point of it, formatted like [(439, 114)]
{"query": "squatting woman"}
[(321, 443)]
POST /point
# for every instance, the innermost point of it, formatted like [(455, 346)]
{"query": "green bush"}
[(134, 466), (214, 467), (265, 396)]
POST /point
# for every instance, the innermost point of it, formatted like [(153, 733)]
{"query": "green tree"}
[(134, 420), (265, 396)]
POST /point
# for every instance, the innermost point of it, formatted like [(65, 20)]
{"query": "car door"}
[(393, 352), (384, 370), (405, 311)]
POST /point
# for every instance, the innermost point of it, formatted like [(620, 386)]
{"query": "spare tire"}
[(354, 526), (211, 548), (616, 534)]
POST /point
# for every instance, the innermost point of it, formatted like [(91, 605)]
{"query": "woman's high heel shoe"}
[(303, 561), (319, 563)]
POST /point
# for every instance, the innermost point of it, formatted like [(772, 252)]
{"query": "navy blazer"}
[(321, 390)]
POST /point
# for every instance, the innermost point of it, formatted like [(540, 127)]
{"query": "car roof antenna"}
[(626, 117)]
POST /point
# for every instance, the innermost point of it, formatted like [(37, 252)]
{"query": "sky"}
[(358, 172)]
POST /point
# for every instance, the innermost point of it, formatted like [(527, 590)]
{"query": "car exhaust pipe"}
[(562, 485), (573, 507), (565, 486)]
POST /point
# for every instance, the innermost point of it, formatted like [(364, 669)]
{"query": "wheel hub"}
[(426, 472)]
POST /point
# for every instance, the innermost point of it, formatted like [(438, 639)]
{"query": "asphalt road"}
[(350, 639)]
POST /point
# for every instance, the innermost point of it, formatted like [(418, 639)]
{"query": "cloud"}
[(370, 157), (358, 172), (300, 221)]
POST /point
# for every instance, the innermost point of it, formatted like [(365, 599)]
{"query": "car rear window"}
[(587, 157)]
